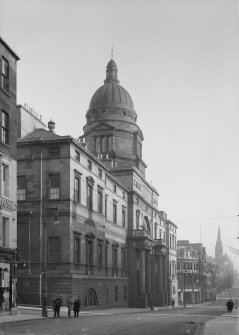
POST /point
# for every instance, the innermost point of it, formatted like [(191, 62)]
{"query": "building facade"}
[(8, 174), (191, 269), (112, 246), (86, 250)]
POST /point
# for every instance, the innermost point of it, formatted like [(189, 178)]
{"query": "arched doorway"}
[(91, 298)]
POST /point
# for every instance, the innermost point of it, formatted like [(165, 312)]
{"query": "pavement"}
[(226, 324)]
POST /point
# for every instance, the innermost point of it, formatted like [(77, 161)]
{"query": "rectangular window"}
[(5, 128), (115, 259), (4, 232), (77, 189), (99, 255), (123, 216), (114, 187), (106, 257), (54, 186), (124, 260), (90, 196), (116, 293), (77, 156), (77, 246), (5, 74), (100, 200), (114, 211), (155, 231), (123, 195), (5, 180), (54, 249), (90, 252), (106, 205), (90, 165), (21, 188), (100, 173)]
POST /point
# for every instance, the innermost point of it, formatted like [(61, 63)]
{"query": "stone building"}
[(112, 133), (86, 250), (191, 269), (113, 245), (8, 172)]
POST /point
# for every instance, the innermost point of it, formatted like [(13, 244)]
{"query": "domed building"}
[(111, 131), (112, 134)]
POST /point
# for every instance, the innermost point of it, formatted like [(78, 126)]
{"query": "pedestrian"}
[(77, 303), (173, 303), (2, 301), (57, 304), (69, 304), (231, 305)]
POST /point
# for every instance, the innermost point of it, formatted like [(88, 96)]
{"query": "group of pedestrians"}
[(72, 304)]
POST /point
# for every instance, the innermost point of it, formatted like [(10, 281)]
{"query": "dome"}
[(111, 94)]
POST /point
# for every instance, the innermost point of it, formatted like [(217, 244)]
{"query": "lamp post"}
[(44, 269), (152, 278)]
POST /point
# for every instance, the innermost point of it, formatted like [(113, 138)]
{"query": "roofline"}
[(9, 49)]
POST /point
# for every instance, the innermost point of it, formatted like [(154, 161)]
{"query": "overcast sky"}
[(178, 59)]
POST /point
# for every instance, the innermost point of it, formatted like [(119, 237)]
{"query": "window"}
[(54, 151), (5, 74), (54, 249), (90, 252), (124, 260), (89, 165), (137, 201), (90, 196), (106, 205), (114, 188), (155, 230), (77, 245), (114, 211), (4, 232), (77, 189), (123, 216), (116, 293), (100, 200), (115, 259), (99, 255), (123, 194), (5, 180), (54, 186), (106, 257), (160, 234), (5, 128), (100, 173), (77, 156), (137, 218), (21, 188)]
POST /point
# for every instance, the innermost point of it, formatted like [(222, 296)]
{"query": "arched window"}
[(146, 224), (137, 218)]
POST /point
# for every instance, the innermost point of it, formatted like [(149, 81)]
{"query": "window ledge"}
[(6, 92)]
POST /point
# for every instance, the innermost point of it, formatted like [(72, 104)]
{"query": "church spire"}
[(219, 235), (219, 247)]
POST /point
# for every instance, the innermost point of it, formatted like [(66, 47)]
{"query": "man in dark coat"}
[(57, 304), (77, 303)]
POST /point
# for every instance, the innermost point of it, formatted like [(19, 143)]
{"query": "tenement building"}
[(111, 244), (191, 268), (8, 174)]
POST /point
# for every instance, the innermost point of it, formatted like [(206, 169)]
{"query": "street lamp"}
[(152, 278), (44, 279)]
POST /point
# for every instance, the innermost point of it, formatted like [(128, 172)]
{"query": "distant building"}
[(191, 261), (28, 120), (8, 172)]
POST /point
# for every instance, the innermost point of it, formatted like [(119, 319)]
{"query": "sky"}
[(178, 59)]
